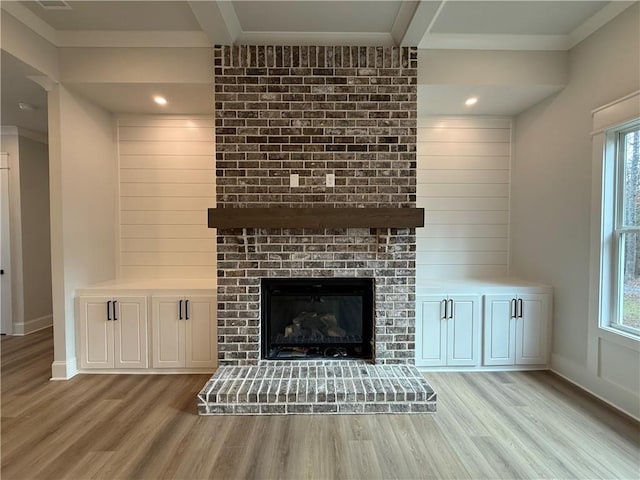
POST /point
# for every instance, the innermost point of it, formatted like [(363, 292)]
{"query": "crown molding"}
[(317, 38), (445, 41)]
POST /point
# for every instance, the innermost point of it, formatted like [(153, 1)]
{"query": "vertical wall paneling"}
[(463, 182), (166, 184)]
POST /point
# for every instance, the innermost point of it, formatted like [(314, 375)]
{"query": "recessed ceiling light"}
[(471, 101), (160, 100)]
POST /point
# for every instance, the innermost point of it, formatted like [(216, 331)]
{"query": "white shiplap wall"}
[(463, 184), (167, 182)]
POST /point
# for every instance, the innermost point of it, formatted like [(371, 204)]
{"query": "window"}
[(625, 313)]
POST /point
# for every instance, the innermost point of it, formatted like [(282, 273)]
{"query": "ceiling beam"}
[(403, 19), (424, 16), (218, 20)]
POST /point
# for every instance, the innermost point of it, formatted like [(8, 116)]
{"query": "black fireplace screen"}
[(311, 318)]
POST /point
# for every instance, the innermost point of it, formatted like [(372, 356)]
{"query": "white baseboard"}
[(33, 325), (608, 392), (64, 370)]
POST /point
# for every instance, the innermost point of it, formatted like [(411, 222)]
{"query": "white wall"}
[(551, 195), (83, 170), (36, 247), (30, 268), (463, 184), (167, 182)]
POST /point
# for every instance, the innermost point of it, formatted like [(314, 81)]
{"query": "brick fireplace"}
[(313, 111)]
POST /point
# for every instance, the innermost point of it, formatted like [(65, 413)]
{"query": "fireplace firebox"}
[(317, 318)]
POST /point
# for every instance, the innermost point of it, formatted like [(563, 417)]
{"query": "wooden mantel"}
[(318, 217)]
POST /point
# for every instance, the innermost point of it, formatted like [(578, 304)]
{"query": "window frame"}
[(618, 229), (613, 230)]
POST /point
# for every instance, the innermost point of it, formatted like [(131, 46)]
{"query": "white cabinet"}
[(183, 331), (113, 332), (516, 329), (447, 330)]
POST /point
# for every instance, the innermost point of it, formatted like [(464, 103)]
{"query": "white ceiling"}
[(308, 16), (443, 24), (514, 18), (118, 15)]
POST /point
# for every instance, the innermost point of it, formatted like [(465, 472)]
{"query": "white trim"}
[(618, 398), (148, 371), (485, 368), (446, 41), (614, 114), (617, 113), (5, 252), (33, 325), (593, 23), (109, 38), (615, 102), (316, 38), (61, 370)]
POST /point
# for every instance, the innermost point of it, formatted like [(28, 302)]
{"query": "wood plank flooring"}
[(488, 425)]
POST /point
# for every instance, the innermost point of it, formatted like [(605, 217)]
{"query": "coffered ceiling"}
[(443, 24), (540, 24)]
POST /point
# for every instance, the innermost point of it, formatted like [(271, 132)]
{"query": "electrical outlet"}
[(294, 180), (331, 180)]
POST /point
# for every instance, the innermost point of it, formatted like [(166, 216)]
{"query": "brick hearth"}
[(303, 387)]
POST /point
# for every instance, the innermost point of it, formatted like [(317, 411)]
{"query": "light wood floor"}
[(488, 425)]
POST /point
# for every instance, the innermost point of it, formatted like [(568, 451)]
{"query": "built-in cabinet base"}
[(147, 327), (483, 325)]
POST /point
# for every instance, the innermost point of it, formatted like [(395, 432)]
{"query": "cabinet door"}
[(96, 332), (130, 332), (201, 332), (168, 332), (531, 330), (431, 337), (463, 345), (499, 330)]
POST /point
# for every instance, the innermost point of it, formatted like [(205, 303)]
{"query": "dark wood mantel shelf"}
[(320, 217)]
